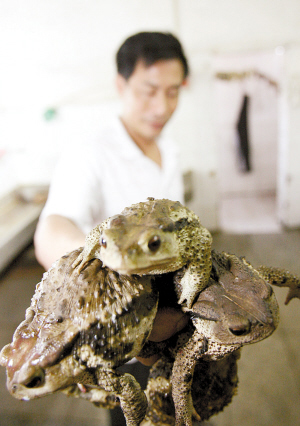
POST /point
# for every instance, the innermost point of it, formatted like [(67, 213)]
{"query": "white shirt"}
[(98, 179)]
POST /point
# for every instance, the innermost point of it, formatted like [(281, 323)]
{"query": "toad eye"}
[(103, 242), (240, 330), (154, 243), (271, 291)]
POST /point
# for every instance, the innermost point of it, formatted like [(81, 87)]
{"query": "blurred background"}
[(57, 70)]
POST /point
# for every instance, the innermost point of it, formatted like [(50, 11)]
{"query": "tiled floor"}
[(269, 371)]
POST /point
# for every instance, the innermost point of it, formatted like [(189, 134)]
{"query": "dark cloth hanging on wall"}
[(243, 137)]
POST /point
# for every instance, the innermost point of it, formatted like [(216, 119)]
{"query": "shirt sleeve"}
[(74, 191)]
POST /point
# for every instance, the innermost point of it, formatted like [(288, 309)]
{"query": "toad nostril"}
[(117, 220)]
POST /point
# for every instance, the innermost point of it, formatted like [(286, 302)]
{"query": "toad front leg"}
[(199, 262), (91, 248), (133, 400), (194, 280), (97, 396), (182, 378)]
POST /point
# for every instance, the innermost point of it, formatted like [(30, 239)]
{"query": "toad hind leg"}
[(133, 400), (182, 377), (281, 278)]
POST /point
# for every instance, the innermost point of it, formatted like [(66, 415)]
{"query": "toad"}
[(79, 329), (86, 319), (239, 307), (198, 366), (153, 237)]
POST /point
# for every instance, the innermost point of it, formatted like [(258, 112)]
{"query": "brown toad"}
[(213, 387), (79, 329), (153, 237), (237, 308)]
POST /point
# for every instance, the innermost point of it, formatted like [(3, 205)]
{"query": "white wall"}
[(61, 53), (289, 143), (234, 25), (193, 128)]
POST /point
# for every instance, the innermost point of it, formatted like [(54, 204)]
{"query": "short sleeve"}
[(75, 192)]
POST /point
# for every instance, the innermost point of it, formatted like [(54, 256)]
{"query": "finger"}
[(168, 321)]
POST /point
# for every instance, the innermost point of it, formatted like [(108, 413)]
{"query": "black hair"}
[(149, 47)]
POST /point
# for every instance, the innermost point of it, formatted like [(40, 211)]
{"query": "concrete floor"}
[(269, 371)]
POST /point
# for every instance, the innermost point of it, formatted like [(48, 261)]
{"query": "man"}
[(129, 160)]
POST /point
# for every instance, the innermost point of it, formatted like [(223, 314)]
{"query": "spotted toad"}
[(85, 322), (213, 387), (79, 329), (154, 237), (237, 308)]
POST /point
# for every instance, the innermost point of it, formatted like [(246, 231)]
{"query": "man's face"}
[(150, 96)]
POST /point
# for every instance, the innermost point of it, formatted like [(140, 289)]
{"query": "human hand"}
[(168, 321)]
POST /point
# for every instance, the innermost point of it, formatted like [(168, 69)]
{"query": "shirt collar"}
[(128, 146)]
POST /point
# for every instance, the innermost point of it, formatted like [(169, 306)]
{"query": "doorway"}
[(246, 96)]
